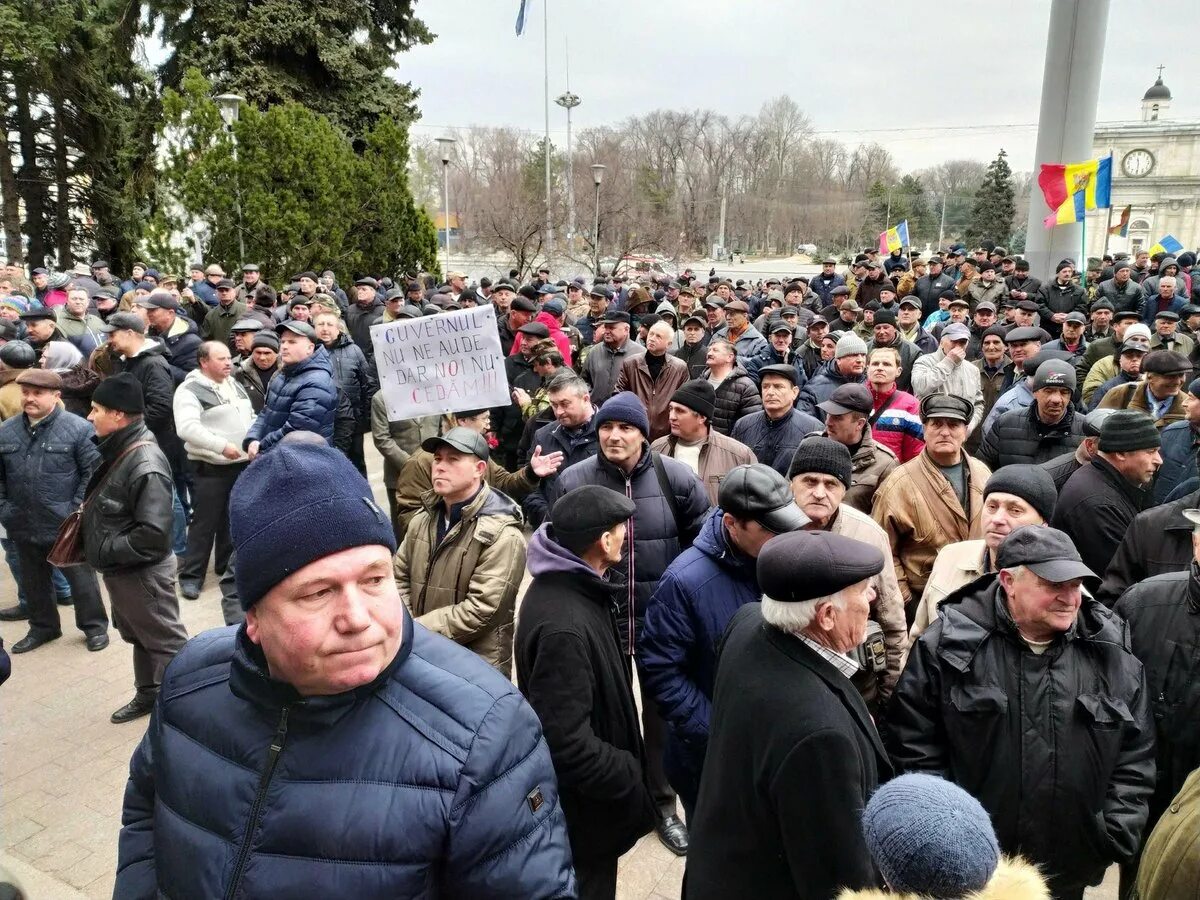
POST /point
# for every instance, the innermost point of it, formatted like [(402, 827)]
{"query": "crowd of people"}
[(887, 576)]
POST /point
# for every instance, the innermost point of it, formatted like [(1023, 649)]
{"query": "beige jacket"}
[(889, 607), (921, 514), (956, 565), (718, 454), (871, 464), (465, 588)]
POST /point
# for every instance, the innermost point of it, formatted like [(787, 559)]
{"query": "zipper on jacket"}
[(630, 618), (256, 808)]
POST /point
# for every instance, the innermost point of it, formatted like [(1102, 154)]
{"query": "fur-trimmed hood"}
[(1014, 879)]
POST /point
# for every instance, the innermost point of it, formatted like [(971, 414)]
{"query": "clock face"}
[(1137, 163)]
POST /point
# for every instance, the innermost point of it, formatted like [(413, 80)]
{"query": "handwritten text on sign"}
[(439, 364)]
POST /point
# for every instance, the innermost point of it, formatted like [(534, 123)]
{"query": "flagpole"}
[(1107, 231), (1083, 252)]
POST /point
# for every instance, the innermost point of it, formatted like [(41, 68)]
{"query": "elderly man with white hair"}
[(793, 754), (653, 377)]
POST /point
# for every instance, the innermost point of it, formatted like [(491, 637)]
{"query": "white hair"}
[(793, 618), (1170, 278)]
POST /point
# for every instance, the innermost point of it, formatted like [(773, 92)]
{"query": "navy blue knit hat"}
[(624, 407), (293, 505), (930, 837)]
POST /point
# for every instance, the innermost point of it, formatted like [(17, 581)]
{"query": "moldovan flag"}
[(1071, 189), (1121, 229), (1166, 244), (894, 238)]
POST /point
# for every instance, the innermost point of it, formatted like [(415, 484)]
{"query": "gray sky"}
[(959, 79)]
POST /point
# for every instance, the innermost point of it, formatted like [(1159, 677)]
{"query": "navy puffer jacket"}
[(653, 538), (302, 397), (431, 781)]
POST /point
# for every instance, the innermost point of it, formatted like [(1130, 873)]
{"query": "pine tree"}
[(995, 205)]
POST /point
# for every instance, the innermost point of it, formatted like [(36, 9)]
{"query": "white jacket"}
[(208, 416), (934, 374)]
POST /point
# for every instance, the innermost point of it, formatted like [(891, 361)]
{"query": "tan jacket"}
[(634, 376), (465, 588), (872, 464), (956, 565), (718, 454), (921, 514), (397, 441), (10, 394), (1133, 396), (416, 481), (1014, 879), (889, 606)]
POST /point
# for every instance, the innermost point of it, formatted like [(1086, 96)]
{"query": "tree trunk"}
[(30, 184), (10, 203), (64, 228)]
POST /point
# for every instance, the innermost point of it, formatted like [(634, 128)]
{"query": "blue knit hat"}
[(624, 407), (293, 505), (930, 837)]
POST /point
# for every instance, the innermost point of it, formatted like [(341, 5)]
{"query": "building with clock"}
[(1156, 170)]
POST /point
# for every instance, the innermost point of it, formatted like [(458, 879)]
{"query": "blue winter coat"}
[(302, 397), (769, 356), (1179, 445), (774, 443), (554, 438), (677, 649), (655, 537), (43, 474), (824, 289), (431, 781)]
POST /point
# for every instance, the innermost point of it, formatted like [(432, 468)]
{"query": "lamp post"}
[(230, 105), (447, 147), (569, 101), (597, 177)]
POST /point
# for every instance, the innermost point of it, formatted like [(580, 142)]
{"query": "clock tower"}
[(1156, 172)]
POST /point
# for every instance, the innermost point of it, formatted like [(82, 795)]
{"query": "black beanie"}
[(579, 517), (1127, 430), (697, 395), (1032, 484), (122, 392), (824, 455)]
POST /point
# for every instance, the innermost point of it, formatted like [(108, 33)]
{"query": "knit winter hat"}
[(849, 344), (281, 517), (122, 392), (697, 395), (1127, 430), (930, 837), (824, 455), (624, 407), (1032, 484)]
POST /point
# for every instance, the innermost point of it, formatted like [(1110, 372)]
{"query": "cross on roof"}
[(1160, 68)]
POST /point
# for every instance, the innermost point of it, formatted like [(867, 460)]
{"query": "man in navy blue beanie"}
[(330, 745), (671, 507)]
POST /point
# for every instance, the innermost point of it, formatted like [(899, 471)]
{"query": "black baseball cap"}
[(615, 317), (464, 440), (1047, 552), (759, 493)]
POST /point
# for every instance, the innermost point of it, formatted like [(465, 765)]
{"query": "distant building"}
[(1156, 168)]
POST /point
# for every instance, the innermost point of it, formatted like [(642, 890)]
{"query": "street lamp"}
[(446, 145), (597, 177), (230, 106), (569, 101)]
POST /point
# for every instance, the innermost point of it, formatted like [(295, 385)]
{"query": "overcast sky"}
[(960, 79)]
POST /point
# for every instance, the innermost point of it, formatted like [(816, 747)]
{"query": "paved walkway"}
[(65, 765)]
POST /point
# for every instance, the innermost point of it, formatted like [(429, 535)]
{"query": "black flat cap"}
[(600, 290), (1025, 333), (579, 517), (885, 317), (808, 565), (523, 304), (1047, 552), (158, 300), (31, 315), (946, 406), (247, 325), (757, 492), (781, 369), (366, 281), (464, 440), (615, 317), (535, 329), (847, 398), (1166, 362), (301, 328)]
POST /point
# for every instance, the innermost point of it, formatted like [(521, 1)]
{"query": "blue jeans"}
[(179, 532), (62, 590)]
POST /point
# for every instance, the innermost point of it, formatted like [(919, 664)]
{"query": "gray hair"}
[(1170, 278), (794, 618), (568, 381)]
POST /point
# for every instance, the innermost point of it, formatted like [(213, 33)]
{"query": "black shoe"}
[(673, 834), (190, 590), (32, 641), (97, 641), (13, 614), (64, 601), (139, 706)]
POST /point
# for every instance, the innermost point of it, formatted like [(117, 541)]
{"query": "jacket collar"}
[(1134, 494), (641, 465), (941, 487), (1175, 520), (250, 679), (111, 445), (795, 649)]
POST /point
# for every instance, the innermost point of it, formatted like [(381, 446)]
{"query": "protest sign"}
[(440, 364)]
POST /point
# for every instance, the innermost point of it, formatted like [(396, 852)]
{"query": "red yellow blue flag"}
[(894, 238), (1071, 189)]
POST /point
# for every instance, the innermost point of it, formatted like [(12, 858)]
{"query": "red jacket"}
[(899, 426), (561, 341)]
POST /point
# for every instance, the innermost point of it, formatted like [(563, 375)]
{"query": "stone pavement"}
[(64, 765)]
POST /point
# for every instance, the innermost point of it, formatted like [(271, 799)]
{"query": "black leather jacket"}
[(127, 522)]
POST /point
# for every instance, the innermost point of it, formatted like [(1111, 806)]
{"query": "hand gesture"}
[(543, 466)]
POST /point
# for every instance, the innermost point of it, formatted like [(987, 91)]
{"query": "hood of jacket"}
[(181, 326), (319, 361), (549, 321), (489, 502), (713, 541), (153, 347), (1014, 879), (545, 556), (667, 309)]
